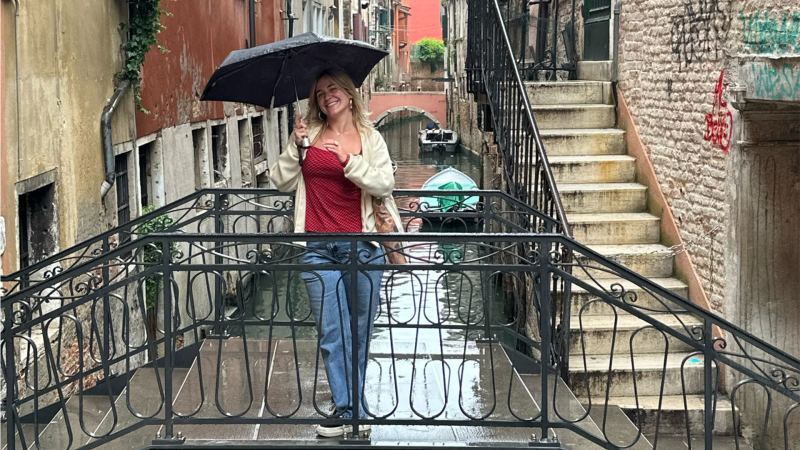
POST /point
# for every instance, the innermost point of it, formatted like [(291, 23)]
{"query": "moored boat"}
[(450, 179), (438, 140)]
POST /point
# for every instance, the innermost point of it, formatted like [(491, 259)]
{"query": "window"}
[(281, 138), (318, 19), (123, 197), (145, 174), (38, 230), (245, 152), (201, 177), (219, 152), (258, 138)]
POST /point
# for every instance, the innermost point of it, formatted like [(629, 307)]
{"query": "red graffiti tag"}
[(719, 123)]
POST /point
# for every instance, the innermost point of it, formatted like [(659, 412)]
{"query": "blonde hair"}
[(342, 81)]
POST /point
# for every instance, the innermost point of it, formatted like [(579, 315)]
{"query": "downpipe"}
[(108, 141)]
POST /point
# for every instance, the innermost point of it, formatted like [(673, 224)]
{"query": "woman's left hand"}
[(333, 146)]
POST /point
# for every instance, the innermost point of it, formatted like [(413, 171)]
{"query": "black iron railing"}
[(210, 337), (494, 72)]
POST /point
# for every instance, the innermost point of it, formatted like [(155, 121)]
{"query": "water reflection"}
[(415, 167)]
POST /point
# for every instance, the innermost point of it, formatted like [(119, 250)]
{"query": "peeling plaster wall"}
[(199, 36), (65, 63)]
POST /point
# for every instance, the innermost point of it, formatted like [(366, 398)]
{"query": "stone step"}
[(649, 260), (585, 142), (619, 431), (593, 334), (568, 92), (615, 228), (574, 116), (140, 398), (88, 410), (570, 408), (673, 413), (649, 372), (698, 442), (603, 197), (580, 296), (595, 70), (593, 168)]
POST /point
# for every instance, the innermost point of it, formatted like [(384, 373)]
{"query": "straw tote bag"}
[(386, 223)]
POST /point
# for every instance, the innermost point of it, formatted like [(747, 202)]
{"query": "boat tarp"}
[(449, 201)]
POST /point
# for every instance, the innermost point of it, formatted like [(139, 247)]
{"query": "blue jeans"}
[(331, 295)]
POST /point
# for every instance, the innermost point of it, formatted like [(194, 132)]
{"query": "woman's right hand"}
[(300, 129)]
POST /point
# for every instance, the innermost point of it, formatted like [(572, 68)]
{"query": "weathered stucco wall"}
[(65, 59), (172, 82)]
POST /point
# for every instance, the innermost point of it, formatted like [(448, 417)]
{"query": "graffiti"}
[(771, 82), (764, 34), (719, 123), (669, 88), (698, 33)]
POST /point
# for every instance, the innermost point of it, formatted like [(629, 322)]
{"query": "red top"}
[(333, 203)]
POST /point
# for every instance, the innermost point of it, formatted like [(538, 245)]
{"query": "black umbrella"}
[(282, 72)]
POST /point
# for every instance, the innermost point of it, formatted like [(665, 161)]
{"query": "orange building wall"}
[(199, 35), (425, 20)]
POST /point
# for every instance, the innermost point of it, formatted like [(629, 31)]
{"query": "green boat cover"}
[(449, 201)]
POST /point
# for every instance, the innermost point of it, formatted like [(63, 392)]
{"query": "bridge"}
[(431, 104), (503, 329)]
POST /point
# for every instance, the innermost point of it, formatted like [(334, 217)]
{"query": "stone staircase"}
[(608, 211)]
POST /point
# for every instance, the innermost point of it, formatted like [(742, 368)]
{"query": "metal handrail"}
[(484, 61), (548, 171)]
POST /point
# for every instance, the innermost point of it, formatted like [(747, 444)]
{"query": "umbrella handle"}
[(304, 145)]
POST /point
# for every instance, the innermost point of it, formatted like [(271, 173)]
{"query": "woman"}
[(346, 166)]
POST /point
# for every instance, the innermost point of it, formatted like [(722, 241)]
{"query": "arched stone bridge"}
[(431, 104)]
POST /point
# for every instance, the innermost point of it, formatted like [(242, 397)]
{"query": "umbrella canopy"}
[(282, 72)]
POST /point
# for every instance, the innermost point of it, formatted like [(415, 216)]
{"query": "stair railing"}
[(494, 73)]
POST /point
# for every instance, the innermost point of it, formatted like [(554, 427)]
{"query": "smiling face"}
[(331, 99)]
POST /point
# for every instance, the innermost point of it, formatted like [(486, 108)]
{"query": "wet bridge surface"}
[(406, 380)]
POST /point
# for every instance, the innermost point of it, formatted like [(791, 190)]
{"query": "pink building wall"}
[(425, 20), (434, 103)]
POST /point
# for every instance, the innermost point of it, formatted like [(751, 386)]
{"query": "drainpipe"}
[(252, 23), (108, 142)]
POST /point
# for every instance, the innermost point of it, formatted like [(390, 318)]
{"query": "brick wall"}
[(672, 53), (736, 210), (421, 77)]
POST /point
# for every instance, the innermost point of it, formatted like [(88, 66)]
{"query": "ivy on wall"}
[(143, 28)]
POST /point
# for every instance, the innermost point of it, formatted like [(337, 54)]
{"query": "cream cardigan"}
[(371, 171)]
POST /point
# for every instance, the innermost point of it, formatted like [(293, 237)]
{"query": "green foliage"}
[(382, 83), (153, 253), (431, 51), (143, 28)]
